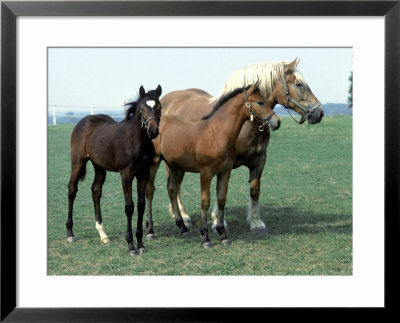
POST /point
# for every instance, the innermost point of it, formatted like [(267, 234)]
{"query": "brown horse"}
[(280, 83), (208, 147), (124, 147)]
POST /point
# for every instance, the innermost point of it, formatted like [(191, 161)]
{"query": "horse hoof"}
[(70, 239), (207, 245), (259, 231), (133, 252), (105, 240), (142, 250), (188, 223), (225, 242), (150, 236), (186, 234)]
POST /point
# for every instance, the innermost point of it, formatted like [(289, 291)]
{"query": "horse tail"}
[(79, 156), (82, 172)]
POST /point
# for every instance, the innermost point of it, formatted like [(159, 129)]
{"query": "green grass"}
[(305, 202)]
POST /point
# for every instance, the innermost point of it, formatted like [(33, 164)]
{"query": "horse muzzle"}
[(316, 116), (152, 132), (274, 123)]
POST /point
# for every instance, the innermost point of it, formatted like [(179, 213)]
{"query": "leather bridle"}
[(307, 111), (264, 121)]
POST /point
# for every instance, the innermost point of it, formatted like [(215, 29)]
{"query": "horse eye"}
[(299, 84), (260, 102)]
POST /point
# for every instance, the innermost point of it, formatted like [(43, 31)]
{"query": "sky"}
[(106, 77)]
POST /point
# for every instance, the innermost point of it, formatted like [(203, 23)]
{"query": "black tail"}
[(82, 173)]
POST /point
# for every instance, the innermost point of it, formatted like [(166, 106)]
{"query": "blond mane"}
[(267, 73)]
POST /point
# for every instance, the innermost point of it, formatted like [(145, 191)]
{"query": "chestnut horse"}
[(124, 147), (280, 83), (208, 147)]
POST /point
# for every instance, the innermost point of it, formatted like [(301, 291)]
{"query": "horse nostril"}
[(153, 133), (278, 124)]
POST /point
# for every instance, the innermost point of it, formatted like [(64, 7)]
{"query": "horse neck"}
[(135, 125), (229, 120), (276, 96)]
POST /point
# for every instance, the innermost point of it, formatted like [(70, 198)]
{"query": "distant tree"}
[(350, 97), (69, 113)]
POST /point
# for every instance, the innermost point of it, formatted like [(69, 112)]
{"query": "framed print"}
[(81, 44)]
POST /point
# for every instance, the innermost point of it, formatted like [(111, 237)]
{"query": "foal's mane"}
[(131, 106), (267, 73), (224, 99)]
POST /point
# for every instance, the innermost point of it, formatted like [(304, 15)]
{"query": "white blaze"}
[(151, 103)]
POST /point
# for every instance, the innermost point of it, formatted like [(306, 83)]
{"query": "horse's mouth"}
[(315, 117), (152, 135)]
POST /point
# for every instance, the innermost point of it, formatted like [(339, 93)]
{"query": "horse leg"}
[(97, 186), (222, 189), (142, 180), (253, 211), (185, 216), (78, 170), (214, 216), (127, 178), (205, 182), (150, 188), (174, 179)]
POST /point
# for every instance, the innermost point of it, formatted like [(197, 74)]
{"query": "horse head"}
[(150, 109), (297, 95), (258, 109)]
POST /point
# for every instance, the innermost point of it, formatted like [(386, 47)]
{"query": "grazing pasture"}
[(305, 202)]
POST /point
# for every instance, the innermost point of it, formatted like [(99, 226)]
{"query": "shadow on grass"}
[(278, 221)]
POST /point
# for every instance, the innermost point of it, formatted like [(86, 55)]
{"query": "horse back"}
[(84, 130), (190, 104)]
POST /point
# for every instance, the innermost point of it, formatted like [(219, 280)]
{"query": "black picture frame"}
[(10, 10)]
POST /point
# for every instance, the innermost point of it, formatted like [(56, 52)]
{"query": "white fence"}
[(72, 114)]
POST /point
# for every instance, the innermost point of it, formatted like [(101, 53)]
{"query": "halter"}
[(253, 114), (145, 123), (306, 110)]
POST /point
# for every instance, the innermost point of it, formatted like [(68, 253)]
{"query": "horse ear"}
[(159, 90), (142, 92), (290, 67), (253, 88)]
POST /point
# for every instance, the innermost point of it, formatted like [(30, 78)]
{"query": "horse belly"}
[(184, 163)]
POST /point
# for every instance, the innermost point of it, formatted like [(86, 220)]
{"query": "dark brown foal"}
[(124, 147)]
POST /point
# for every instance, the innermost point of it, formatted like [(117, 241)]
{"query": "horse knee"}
[(141, 203), (72, 190), (254, 192), (205, 202), (172, 192), (96, 192), (129, 208), (150, 189), (221, 202)]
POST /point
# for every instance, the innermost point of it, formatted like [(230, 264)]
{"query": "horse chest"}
[(250, 147)]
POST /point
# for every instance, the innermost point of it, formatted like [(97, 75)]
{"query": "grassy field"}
[(305, 202)]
